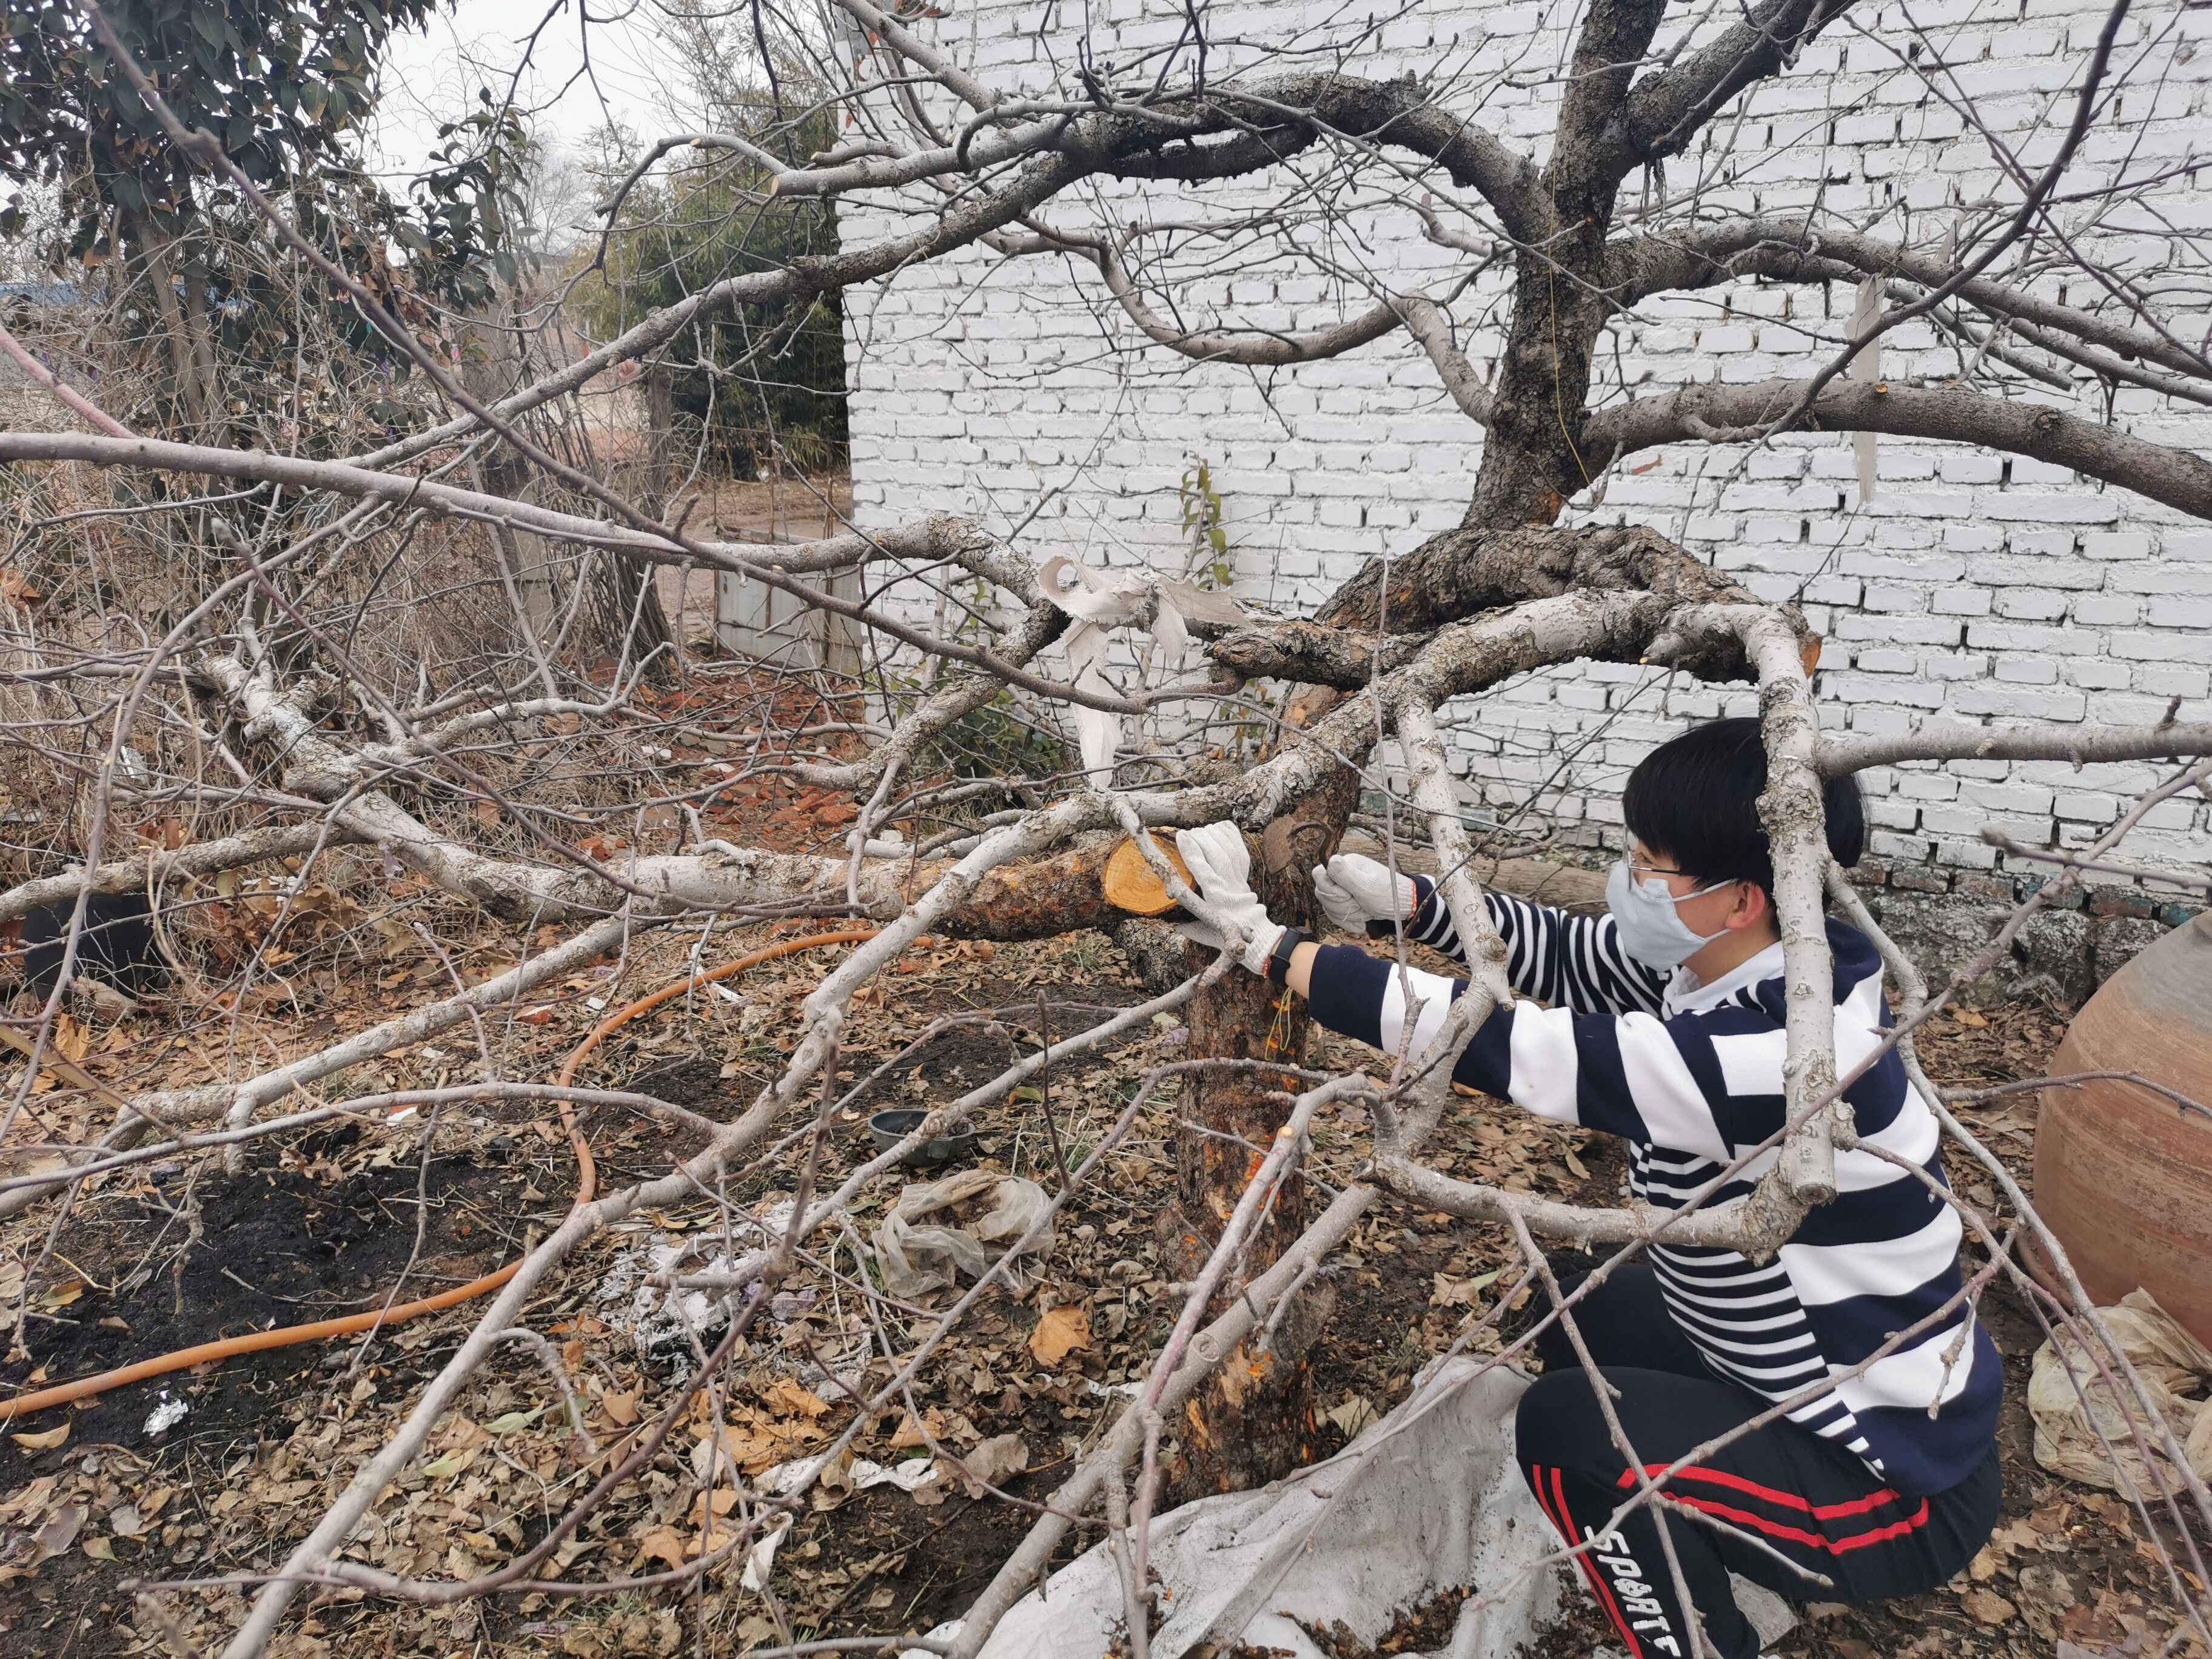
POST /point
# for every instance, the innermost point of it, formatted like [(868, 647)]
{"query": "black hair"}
[(1695, 799)]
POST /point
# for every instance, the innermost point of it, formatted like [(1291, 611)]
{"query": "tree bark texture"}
[(1253, 1420)]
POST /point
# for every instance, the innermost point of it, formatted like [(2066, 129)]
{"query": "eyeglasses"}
[(1638, 867)]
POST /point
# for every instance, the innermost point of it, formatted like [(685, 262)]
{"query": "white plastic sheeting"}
[(1426, 1500), (1100, 601)]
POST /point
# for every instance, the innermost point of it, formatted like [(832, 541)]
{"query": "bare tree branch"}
[(1736, 414)]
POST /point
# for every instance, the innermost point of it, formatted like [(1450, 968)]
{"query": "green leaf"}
[(515, 1422)]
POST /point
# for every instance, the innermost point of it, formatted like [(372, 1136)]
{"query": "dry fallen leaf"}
[(910, 1433), (991, 1462), (1353, 1414), (45, 1440), (1060, 1330), (662, 1544), (754, 1447), (786, 1395), (710, 1505), (451, 1462), (1988, 1607), (59, 1534), (71, 1040), (29, 1504), (1449, 1292), (620, 1409)]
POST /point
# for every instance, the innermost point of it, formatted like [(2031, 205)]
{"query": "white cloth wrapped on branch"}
[(1100, 601)]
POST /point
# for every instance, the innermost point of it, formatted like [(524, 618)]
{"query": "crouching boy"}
[(1873, 1389)]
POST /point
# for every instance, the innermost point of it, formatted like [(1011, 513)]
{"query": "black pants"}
[(1812, 1501)]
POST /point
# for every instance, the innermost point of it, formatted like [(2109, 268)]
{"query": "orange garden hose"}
[(587, 1181)]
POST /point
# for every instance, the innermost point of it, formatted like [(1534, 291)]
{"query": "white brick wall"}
[(1975, 586)]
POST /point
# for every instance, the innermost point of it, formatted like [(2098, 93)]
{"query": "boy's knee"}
[(1558, 1422), (1554, 1348)]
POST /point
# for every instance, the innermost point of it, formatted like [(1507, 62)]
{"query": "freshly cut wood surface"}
[(1131, 885)]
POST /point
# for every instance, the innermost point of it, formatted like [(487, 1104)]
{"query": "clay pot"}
[(2122, 1177)]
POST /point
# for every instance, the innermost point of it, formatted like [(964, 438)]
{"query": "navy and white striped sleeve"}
[(1632, 1074), (1574, 962)]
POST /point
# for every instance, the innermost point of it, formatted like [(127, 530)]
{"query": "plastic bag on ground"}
[(2173, 1363), (1426, 1500), (918, 1258)]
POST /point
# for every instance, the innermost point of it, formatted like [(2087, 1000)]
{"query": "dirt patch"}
[(327, 1231), (276, 1246)]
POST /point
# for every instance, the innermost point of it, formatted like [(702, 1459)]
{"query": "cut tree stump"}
[(1130, 883)]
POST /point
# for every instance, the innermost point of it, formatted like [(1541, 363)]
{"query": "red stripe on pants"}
[(1788, 1500), (1811, 1539), (1564, 1523)]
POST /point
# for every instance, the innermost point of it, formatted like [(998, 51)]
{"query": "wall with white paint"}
[(1973, 588)]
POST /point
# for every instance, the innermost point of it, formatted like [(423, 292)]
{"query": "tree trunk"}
[(184, 364), (623, 603), (1534, 457), (1253, 1421)]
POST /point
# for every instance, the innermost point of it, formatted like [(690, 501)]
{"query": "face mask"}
[(1650, 930)]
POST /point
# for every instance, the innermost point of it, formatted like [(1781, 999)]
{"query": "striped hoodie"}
[(1691, 1076)]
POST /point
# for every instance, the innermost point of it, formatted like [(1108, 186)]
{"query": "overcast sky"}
[(433, 75)]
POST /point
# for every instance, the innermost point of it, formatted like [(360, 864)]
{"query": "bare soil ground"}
[(172, 1254)]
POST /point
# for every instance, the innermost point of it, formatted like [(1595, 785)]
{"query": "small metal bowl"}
[(892, 1127)]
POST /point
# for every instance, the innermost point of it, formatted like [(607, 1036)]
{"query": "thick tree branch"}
[(1162, 142), (198, 859), (1759, 1221), (1842, 752), (1465, 570), (1249, 350), (1432, 329), (1791, 250), (1666, 109), (1591, 145), (1728, 414)]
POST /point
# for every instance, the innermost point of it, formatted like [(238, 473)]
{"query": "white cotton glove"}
[(1221, 870), (1353, 891)]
